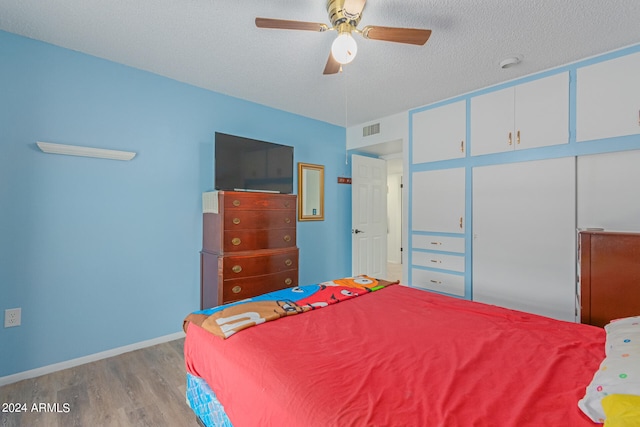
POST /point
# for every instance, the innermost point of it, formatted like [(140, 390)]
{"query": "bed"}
[(397, 356)]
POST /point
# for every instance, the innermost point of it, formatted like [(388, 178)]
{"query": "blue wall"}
[(99, 253)]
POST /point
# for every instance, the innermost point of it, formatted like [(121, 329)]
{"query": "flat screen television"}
[(245, 164)]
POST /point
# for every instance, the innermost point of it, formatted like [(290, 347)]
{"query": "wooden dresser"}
[(249, 246), (609, 276)]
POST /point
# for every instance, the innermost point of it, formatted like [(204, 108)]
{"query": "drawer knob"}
[(288, 262), (236, 202), (288, 281), (287, 238), (236, 269), (236, 221), (286, 204), (236, 289), (287, 220), (236, 241)]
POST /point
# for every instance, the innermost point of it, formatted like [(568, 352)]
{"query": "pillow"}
[(619, 372), (622, 410)]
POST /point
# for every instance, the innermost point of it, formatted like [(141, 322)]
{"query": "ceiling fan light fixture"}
[(344, 48)]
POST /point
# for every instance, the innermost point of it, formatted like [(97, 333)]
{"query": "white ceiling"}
[(214, 44)]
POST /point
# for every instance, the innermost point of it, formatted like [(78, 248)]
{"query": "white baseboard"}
[(9, 379)]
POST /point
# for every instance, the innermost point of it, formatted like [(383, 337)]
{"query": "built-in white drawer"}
[(438, 260), (438, 243), (436, 281)]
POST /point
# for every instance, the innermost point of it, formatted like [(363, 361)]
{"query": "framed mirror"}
[(310, 192)]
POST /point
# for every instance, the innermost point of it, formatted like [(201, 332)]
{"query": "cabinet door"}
[(542, 112), (608, 191), (524, 236), (492, 122), (608, 99), (438, 200), (439, 133)]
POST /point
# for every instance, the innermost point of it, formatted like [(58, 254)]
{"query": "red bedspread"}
[(401, 357)]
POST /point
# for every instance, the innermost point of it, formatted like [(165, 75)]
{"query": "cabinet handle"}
[(461, 222), (236, 269), (236, 241), (510, 141), (287, 220), (462, 146), (638, 117), (518, 138), (436, 243), (435, 281), (288, 262), (288, 281), (436, 261), (236, 289), (236, 221), (287, 238), (236, 203)]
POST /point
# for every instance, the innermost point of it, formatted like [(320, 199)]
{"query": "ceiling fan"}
[(345, 16)]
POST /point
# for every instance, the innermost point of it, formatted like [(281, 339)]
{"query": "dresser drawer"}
[(438, 260), (253, 219), (239, 200), (235, 267), (251, 240), (438, 243), (436, 281), (238, 289)]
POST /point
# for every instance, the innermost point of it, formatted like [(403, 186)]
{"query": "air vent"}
[(371, 129)]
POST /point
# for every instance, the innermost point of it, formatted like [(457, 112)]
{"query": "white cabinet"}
[(438, 206), (608, 99), (524, 236), (438, 200), (529, 115), (439, 133)]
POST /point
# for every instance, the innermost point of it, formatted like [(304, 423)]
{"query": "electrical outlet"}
[(12, 317)]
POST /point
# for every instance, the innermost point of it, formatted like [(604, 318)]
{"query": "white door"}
[(492, 122), (524, 236), (438, 199), (440, 133), (608, 192), (608, 99), (369, 216)]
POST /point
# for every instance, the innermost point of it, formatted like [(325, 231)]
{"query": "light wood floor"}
[(145, 387)]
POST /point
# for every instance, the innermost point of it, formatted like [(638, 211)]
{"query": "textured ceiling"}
[(214, 44)]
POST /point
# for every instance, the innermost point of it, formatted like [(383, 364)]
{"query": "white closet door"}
[(440, 133), (438, 201), (524, 236), (542, 112), (491, 122), (608, 191), (608, 98)]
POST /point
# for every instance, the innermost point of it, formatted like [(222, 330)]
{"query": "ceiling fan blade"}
[(398, 35), (332, 66), (284, 24), (354, 7)]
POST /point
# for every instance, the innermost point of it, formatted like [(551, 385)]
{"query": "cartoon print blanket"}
[(225, 320)]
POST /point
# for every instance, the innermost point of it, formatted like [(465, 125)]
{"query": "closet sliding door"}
[(524, 236)]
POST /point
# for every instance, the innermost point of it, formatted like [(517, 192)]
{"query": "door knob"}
[(356, 231)]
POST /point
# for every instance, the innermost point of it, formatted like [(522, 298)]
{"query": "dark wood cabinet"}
[(249, 246), (609, 276)]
